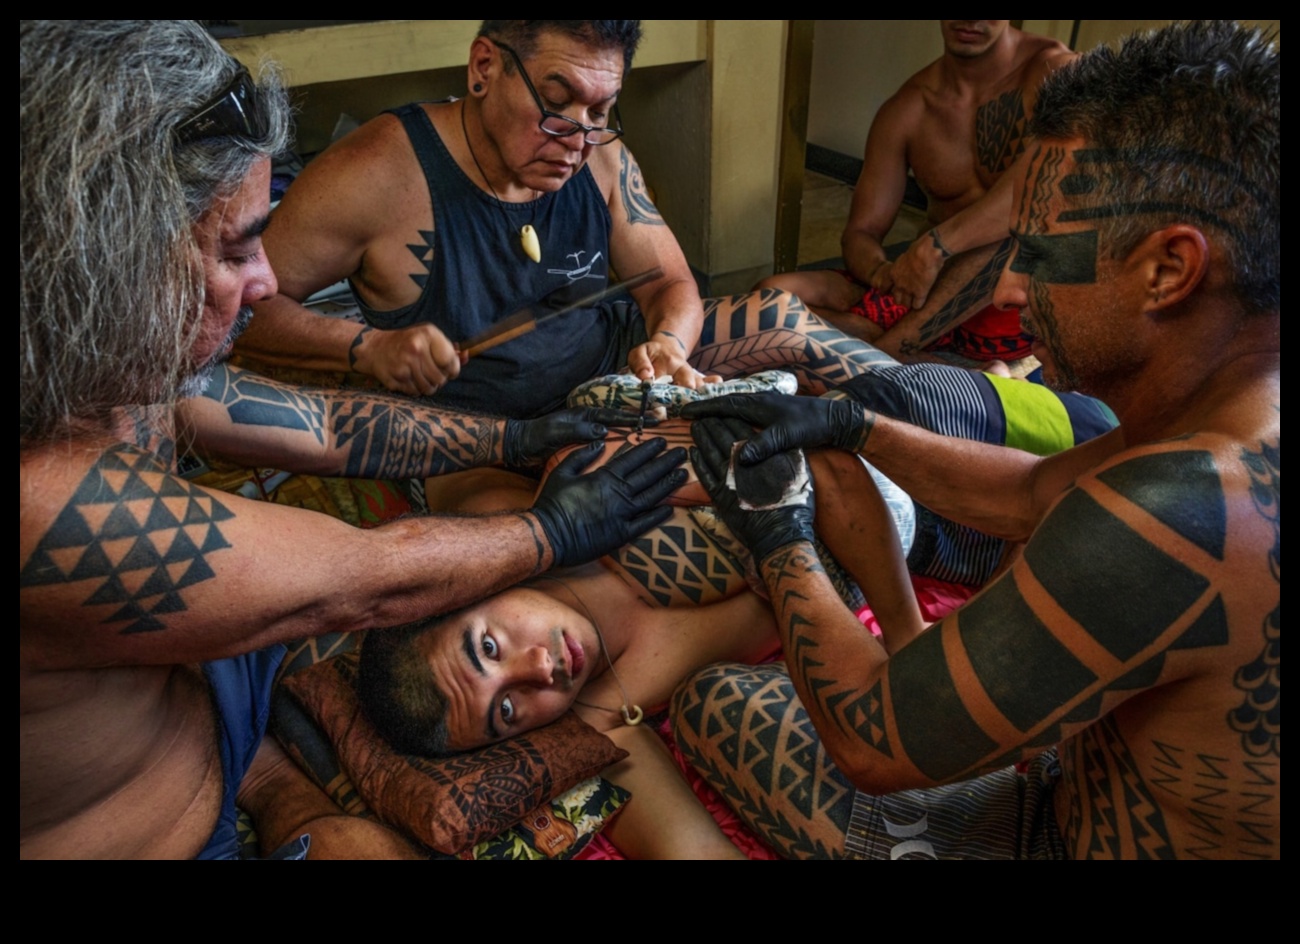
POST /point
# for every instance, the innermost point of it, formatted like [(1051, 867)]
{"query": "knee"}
[(787, 282), (711, 705)]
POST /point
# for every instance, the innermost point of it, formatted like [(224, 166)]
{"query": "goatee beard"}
[(197, 382)]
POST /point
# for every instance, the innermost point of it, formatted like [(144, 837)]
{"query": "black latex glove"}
[(787, 422), (761, 531), (586, 516), (530, 441)]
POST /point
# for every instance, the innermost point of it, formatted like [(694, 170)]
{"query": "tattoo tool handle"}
[(521, 322), (645, 402)]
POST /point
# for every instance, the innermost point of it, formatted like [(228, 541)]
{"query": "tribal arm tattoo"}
[(338, 432), (1091, 628), (970, 298), (636, 196), (134, 537)]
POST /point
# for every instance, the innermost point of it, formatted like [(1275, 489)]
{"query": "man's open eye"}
[(507, 711), (490, 648)]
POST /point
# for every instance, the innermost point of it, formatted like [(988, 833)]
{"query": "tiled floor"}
[(826, 208)]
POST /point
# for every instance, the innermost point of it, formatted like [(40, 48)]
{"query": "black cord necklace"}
[(532, 246)]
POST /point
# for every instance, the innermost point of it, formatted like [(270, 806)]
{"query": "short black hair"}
[(1184, 125), (521, 35), (398, 692)]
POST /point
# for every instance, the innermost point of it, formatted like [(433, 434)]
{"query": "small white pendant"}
[(532, 246)]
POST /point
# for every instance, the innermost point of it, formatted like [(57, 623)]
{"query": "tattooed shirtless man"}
[(623, 630), (1138, 636), (957, 125), (447, 217), (152, 612)]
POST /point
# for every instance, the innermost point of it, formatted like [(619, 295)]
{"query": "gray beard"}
[(197, 382)]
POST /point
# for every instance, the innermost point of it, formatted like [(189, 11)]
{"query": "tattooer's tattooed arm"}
[(249, 418), (637, 203), (955, 701), (639, 240), (135, 565)]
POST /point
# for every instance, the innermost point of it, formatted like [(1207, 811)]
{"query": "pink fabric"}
[(936, 598)]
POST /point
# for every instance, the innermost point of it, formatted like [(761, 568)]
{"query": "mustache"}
[(242, 320)]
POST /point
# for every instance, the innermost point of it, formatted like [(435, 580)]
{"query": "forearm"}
[(984, 222), (674, 313), (837, 666), (982, 486), (247, 418), (420, 566), (285, 333), (863, 254), (664, 819)]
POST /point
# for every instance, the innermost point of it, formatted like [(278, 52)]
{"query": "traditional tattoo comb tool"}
[(525, 320), (645, 402)]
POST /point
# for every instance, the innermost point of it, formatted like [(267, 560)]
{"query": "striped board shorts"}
[(953, 401), (1006, 814)]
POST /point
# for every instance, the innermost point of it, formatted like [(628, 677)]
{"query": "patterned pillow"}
[(453, 803), (558, 830)]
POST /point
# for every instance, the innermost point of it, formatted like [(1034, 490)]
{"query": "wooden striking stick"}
[(521, 322)]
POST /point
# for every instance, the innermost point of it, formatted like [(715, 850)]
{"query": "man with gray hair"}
[(153, 611)]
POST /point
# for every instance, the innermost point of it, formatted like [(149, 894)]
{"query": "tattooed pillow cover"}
[(452, 803)]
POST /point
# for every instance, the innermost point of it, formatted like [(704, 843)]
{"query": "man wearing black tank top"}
[(447, 217)]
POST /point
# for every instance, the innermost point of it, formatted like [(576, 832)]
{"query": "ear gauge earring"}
[(478, 86)]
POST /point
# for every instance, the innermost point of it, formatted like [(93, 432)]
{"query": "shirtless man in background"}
[(958, 125)]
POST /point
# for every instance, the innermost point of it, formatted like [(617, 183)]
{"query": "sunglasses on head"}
[(234, 111)]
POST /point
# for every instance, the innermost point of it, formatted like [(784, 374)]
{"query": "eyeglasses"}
[(561, 126), (234, 111)]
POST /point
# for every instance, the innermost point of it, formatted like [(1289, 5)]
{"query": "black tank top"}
[(478, 274)]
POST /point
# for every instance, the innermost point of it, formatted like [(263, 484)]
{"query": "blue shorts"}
[(241, 698), (964, 404)]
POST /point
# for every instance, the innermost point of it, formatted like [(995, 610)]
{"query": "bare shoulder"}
[(903, 111), (1040, 55), (1194, 518), (353, 207), (610, 163), (371, 155)]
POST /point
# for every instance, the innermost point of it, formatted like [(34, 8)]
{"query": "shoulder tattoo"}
[(135, 536)]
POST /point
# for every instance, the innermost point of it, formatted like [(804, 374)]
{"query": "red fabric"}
[(935, 597), (880, 309), (991, 333)]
